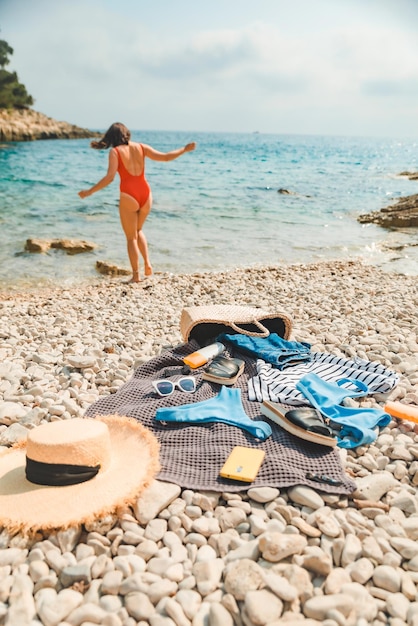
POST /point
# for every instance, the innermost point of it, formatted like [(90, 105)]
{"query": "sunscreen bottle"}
[(402, 411), (203, 355)]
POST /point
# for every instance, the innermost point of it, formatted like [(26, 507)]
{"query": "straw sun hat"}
[(73, 471)]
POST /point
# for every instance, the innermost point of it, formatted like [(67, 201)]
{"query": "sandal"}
[(304, 422), (223, 370)]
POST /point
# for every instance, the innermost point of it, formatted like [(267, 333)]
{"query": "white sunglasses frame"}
[(175, 384)]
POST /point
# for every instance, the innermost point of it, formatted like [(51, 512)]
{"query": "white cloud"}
[(91, 64)]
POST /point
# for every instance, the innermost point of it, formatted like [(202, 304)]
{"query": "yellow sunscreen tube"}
[(202, 356), (402, 411)]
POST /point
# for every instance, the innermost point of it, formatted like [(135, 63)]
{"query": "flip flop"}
[(304, 422)]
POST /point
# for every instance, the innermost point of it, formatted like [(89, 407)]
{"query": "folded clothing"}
[(226, 408), (356, 424), (273, 349), (276, 385)]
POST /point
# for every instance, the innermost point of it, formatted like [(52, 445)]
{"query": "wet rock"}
[(410, 175), (402, 214), (70, 246), (110, 269)]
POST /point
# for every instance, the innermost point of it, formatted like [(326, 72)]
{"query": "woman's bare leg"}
[(132, 219), (143, 249), (128, 211), (141, 239)]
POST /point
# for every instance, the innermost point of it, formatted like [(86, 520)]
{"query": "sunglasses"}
[(166, 387), (319, 478)]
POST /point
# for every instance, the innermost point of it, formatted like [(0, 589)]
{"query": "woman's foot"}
[(148, 270), (135, 278)]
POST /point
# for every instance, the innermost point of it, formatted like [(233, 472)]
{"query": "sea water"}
[(222, 206)]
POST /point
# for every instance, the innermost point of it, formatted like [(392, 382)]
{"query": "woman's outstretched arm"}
[(106, 180), (155, 155)]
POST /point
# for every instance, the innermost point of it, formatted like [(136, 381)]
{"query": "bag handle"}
[(264, 332)]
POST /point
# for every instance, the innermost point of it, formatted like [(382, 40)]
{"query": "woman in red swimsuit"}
[(128, 159)]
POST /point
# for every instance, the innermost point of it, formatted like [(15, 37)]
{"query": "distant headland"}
[(18, 122), (28, 125)]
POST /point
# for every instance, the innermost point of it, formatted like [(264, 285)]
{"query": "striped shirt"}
[(277, 385)]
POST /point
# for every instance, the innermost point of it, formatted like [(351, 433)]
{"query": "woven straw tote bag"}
[(204, 323)]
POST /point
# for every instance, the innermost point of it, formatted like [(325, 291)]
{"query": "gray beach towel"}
[(192, 455)]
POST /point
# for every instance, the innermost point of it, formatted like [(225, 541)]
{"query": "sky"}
[(327, 67)]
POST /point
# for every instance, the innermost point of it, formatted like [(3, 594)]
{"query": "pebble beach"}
[(263, 556)]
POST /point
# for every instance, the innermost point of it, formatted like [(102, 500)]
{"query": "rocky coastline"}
[(402, 214), (261, 557), (29, 125)]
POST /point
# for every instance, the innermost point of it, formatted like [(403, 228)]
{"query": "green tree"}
[(5, 50), (13, 94)]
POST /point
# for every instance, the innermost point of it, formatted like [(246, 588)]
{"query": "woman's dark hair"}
[(116, 135)]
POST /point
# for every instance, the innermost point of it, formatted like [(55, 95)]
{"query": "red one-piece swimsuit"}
[(135, 186)]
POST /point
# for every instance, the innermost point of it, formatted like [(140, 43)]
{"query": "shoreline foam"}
[(195, 558)]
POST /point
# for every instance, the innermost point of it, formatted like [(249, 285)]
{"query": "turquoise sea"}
[(215, 208)]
